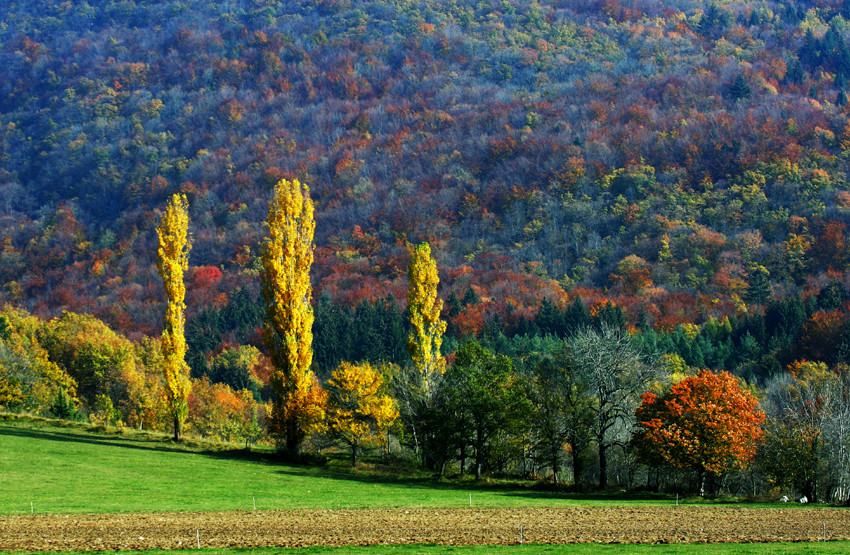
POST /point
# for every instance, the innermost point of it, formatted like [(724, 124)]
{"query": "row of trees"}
[(597, 400), (482, 408), (299, 403)]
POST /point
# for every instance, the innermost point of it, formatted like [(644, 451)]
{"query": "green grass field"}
[(51, 468)]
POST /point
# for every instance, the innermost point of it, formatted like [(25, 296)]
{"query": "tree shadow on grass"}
[(139, 441), (155, 444), (510, 489), (530, 490), (317, 467)]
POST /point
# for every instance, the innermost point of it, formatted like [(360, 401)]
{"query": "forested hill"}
[(683, 159)]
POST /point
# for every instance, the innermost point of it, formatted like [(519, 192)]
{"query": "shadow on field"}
[(68, 437), (590, 496), (518, 490), (506, 489), (423, 483)]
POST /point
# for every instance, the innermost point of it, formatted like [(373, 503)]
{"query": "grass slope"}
[(73, 469)]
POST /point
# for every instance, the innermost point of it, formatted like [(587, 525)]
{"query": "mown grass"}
[(46, 467), (572, 549)]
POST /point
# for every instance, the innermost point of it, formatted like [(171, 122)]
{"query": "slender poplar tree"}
[(424, 308), (172, 261), (287, 254)]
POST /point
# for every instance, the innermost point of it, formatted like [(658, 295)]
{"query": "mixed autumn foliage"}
[(680, 158), (663, 177)]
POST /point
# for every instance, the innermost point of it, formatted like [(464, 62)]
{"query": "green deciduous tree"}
[(806, 435), (485, 404), (613, 373), (564, 414)]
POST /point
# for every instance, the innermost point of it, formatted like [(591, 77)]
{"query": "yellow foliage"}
[(359, 412), (424, 308), (218, 412), (674, 369), (172, 261), (146, 406), (287, 255), (28, 378), (690, 330)]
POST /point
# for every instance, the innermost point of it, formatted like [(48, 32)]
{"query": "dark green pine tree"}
[(550, 319), (576, 317), (5, 329), (243, 313), (470, 297), (63, 407), (832, 297), (759, 290), (810, 51), (840, 81), (785, 316), (739, 89), (203, 335), (394, 331), (453, 304), (611, 315), (795, 73), (332, 335)]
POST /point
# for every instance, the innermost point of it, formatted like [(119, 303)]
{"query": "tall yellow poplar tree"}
[(171, 261), (424, 309), (287, 254)]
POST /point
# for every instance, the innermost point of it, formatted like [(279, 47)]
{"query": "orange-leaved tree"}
[(359, 410), (707, 423), (172, 261), (287, 255)]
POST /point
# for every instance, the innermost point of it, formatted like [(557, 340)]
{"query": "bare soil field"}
[(649, 524)]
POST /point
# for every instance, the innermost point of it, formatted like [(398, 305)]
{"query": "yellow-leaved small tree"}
[(172, 261), (287, 255), (360, 412)]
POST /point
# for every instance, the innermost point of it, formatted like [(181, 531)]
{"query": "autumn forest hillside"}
[(661, 164)]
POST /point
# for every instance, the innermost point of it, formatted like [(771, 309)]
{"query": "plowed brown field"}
[(648, 524)]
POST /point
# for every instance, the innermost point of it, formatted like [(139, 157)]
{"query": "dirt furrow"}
[(400, 526)]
